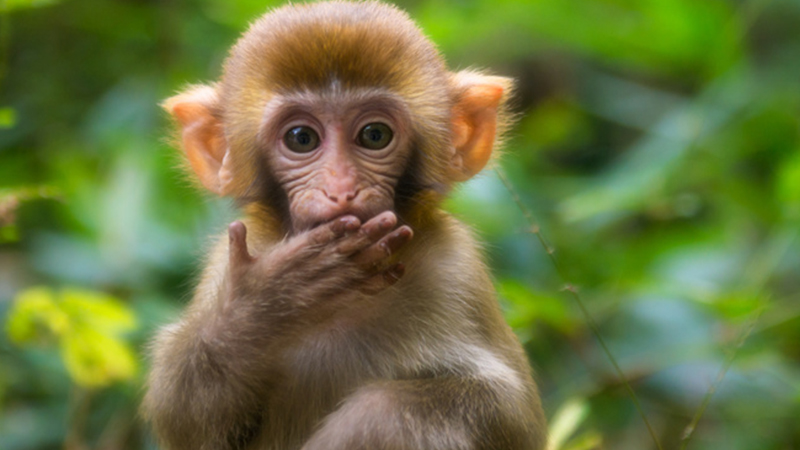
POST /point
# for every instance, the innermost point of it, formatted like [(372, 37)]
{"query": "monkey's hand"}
[(339, 256)]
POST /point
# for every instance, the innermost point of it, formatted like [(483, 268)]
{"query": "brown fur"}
[(291, 342)]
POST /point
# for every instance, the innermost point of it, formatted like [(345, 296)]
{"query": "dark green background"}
[(657, 148)]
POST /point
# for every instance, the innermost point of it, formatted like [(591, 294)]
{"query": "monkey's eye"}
[(301, 139), (375, 136)]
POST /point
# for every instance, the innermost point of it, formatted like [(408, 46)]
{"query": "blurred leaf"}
[(555, 122), (236, 14), (35, 316), (3, 389), (525, 307), (11, 199), (471, 200), (566, 421), (94, 359), (738, 305), (9, 233), (587, 441), (11, 5), (87, 325), (8, 117), (667, 36), (788, 185), (98, 311), (630, 184)]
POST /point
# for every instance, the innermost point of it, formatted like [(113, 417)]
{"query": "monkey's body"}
[(323, 340), (410, 347)]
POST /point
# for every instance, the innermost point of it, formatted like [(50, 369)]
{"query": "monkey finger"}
[(332, 230), (237, 245), (370, 232), (383, 280), (302, 249), (384, 248)]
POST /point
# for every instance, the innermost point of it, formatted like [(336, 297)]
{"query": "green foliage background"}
[(657, 151)]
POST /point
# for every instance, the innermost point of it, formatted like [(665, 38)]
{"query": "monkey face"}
[(344, 109), (337, 152)]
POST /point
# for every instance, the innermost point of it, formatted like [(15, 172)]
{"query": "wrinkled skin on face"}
[(337, 154)]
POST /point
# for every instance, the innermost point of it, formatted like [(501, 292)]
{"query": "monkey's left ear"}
[(202, 136), (476, 114)]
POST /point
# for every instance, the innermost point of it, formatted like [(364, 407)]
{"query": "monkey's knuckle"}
[(358, 238), (322, 237)]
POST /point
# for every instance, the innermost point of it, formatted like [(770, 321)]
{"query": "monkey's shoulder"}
[(448, 248)]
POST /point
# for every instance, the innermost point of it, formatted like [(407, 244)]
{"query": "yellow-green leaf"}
[(35, 316), (94, 359), (97, 310), (87, 325), (10, 5), (588, 441), (9, 233), (566, 421), (8, 116), (788, 185)]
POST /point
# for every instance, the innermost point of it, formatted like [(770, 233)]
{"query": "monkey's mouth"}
[(318, 223), (311, 221)]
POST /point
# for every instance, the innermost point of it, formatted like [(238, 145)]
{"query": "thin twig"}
[(689, 431), (761, 266), (80, 406), (749, 13), (536, 230)]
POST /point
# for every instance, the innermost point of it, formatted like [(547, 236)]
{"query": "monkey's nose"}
[(341, 198)]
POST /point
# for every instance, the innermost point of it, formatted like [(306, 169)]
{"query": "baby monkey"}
[(345, 310)]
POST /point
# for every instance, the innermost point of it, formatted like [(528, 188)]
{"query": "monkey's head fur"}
[(330, 49)]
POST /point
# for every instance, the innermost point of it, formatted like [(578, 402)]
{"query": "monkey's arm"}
[(205, 383), (212, 371)]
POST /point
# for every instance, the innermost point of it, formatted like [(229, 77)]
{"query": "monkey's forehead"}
[(363, 44)]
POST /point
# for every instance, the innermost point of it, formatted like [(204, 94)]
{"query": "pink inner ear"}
[(474, 128), (461, 132), (481, 144), (186, 113), (486, 95), (202, 141)]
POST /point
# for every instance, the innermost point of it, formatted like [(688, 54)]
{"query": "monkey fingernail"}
[(346, 224), (377, 228), (236, 231), (385, 220), (386, 223), (237, 249), (399, 238), (406, 232), (237, 238)]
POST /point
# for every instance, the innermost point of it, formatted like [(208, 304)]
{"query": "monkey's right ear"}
[(202, 136), (477, 114)]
